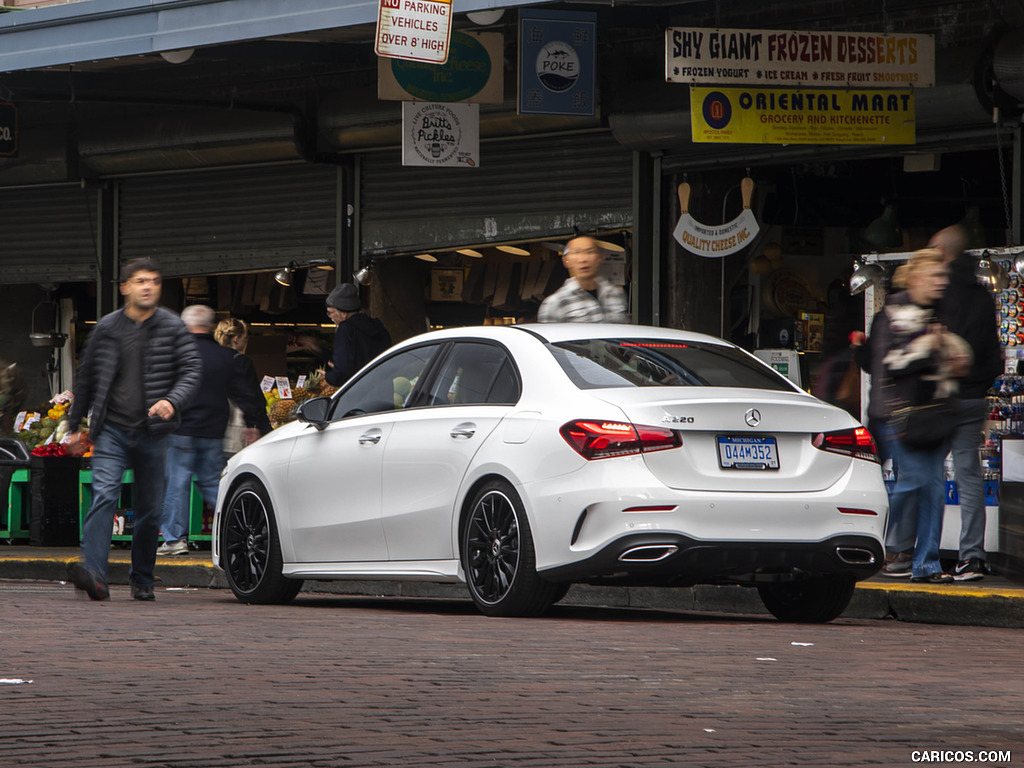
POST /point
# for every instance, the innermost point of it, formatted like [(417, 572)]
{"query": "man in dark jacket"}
[(138, 372), (359, 337), (197, 445), (968, 310)]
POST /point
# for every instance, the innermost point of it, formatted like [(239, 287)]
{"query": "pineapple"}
[(281, 412), (316, 383), (300, 395)]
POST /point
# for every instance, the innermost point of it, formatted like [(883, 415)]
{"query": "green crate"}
[(200, 514), (126, 502), (14, 525)]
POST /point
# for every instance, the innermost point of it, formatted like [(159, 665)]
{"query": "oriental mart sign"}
[(415, 30)]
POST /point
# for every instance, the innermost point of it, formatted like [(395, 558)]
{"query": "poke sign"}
[(558, 66)]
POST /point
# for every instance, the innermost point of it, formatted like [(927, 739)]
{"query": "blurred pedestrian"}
[(233, 333), (139, 370), (868, 352), (358, 339), (968, 310), (921, 362), (197, 446), (12, 396), (838, 377), (585, 297)]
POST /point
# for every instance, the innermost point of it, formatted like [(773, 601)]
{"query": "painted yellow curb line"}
[(952, 590)]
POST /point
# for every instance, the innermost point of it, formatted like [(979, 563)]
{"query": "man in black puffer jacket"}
[(139, 369), (968, 310)]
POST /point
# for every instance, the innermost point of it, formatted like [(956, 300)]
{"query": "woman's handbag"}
[(928, 425)]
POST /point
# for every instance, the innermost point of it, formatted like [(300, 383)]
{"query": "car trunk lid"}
[(707, 418)]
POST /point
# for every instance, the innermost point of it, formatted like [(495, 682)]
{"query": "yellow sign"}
[(801, 116)]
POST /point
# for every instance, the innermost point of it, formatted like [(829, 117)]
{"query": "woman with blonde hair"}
[(234, 334)]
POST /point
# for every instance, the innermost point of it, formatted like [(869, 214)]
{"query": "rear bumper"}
[(666, 559)]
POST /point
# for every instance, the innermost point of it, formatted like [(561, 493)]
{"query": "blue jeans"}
[(917, 507), (969, 480), (187, 456), (114, 451), (889, 446)]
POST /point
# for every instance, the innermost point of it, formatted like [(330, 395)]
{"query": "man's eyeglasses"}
[(583, 252)]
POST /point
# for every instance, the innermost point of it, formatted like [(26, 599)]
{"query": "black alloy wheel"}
[(498, 556), (251, 551)]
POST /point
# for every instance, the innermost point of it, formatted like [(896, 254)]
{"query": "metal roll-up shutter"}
[(523, 189), (236, 220), (49, 234)]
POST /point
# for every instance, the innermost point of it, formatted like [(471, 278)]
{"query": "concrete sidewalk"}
[(992, 602)]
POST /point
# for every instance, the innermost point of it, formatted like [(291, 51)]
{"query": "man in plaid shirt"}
[(585, 297)]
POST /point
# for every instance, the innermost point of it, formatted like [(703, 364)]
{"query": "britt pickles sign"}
[(8, 129), (440, 134)]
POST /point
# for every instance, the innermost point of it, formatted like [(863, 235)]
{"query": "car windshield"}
[(606, 363)]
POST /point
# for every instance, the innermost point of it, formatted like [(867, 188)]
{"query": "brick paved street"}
[(197, 679)]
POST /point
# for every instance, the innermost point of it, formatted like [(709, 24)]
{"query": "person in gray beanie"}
[(359, 337)]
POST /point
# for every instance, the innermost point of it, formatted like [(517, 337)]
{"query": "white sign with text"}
[(417, 30), (440, 134)]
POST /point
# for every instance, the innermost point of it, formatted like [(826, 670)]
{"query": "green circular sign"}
[(464, 75)]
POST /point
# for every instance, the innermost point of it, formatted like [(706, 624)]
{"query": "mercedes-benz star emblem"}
[(752, 417)]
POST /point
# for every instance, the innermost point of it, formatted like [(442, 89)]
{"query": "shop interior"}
[(816, 219)]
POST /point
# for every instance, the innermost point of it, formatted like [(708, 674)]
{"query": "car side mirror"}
[(314, 411)]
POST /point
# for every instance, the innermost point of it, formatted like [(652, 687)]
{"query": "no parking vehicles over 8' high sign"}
[(417, 30)]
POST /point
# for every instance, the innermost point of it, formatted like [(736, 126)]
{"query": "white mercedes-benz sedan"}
[(522, 459)]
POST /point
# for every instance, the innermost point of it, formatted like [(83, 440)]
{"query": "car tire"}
[(808, 601), (251, 549), (498, 556)]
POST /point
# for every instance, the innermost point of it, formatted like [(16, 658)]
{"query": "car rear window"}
[(606, 363)]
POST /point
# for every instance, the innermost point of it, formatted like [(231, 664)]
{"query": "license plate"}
[(748, 453)]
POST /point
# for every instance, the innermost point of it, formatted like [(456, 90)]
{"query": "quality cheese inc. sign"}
[(417, 30), (801, 116)]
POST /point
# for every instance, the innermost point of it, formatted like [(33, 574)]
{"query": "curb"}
[(995, 605)]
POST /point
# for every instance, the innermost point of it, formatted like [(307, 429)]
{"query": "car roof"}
[(559, 332), (555, 332)]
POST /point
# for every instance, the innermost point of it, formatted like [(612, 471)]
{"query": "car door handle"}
[(370, 438), (463, 431)]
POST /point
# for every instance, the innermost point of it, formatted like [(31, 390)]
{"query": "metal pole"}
[(1015, 198)]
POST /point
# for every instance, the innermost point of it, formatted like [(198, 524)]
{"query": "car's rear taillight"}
[(604, 439), (856, 442)]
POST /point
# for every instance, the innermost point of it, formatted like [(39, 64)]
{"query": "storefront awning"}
[(106, 29)]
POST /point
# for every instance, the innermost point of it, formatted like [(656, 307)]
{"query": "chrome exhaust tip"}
[(855, 555), (648, 553)]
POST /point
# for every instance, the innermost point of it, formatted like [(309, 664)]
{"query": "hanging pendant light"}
[(884, 232), (286, 275), (365, 275), (866, 275)]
